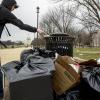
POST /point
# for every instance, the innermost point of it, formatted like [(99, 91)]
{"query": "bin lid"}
[(59, 34)]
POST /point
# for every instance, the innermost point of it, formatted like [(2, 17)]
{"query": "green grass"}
[(88, 49), (87, 53)]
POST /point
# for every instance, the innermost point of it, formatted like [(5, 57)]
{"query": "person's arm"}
[(11, 18)]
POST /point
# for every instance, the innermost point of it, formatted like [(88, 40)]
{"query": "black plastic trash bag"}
[(10, 65), (72, 95), (90, 83), (46, 53), (61, 97), (15, 65), (32, 81), (25, 54), (92, 76), (41, 63), (36, 52), (11, 70), (35, 65)]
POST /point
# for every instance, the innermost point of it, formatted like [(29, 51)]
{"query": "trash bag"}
[(11, 69), (46, 53), (73, 94), (36, 52), (41, 63), (31, 81), (35, 65), (62, 97), (25, 54), (92, 76), (90, 83), (15, 65)]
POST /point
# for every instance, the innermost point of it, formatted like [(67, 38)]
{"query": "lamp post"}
[(37, 18)]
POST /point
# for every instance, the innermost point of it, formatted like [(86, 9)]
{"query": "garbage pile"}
[(29, 78), (84, 84), (40, 75)]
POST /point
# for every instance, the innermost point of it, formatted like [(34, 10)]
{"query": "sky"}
[(27, 13)]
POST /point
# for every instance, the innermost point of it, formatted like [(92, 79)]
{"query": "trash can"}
[(60, 43)]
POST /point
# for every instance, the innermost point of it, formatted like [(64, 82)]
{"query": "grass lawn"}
[(87, 53)]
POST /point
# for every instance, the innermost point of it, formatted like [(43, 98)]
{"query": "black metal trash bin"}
[(60, 43)]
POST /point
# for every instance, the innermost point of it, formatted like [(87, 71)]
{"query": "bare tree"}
[(46, 24), (58, 20), (90, 15), (89, 27), (90, 9)]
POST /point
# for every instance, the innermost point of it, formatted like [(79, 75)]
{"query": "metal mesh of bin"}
[(61, 43)]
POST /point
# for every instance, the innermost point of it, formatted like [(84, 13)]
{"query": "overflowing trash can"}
[(60, 43)]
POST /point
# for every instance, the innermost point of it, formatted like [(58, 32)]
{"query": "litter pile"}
[(84, 84), (40, 75)]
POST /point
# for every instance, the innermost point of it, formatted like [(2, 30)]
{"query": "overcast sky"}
[(27, 13)]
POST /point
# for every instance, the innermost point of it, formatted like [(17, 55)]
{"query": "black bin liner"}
[(90, 84), (32, 81), (25, 54), (72, 95), (36, 52)]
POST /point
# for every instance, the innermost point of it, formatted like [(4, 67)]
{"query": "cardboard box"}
[(65, 76)]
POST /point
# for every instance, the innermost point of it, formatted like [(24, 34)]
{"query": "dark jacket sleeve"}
[(11, 18)]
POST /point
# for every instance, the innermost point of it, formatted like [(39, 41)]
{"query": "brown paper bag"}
[(63, 80), (65, 77)]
